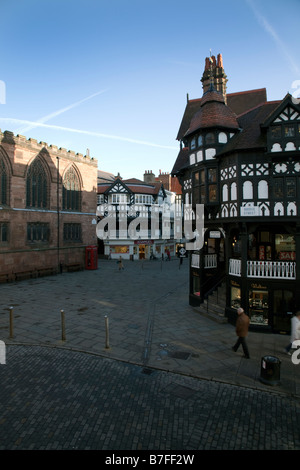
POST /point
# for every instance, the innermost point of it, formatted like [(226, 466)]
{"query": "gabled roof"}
[(251, 135), (132, 186), (282, 105)]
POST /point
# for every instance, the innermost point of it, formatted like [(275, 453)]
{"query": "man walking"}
[(241, 328)]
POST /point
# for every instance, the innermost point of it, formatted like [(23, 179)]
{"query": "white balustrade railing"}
[(272, 269), (235, 267), (210, 261), (264, 269)]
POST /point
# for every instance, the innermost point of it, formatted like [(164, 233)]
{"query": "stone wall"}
[(20, 257)]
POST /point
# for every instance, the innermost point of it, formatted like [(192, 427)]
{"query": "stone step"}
[(215, 316), (214, 306)]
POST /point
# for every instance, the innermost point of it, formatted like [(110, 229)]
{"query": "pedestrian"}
[(241, 328), (120, 262), (295, 331)]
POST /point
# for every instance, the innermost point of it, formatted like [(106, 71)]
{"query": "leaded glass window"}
[(71, 191), (3, 183), (72, 233), (4, 229), (38, 232), (36, 186)]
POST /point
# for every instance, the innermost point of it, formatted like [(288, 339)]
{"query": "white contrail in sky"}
[(270, 30), (33, 124), (57, 113)]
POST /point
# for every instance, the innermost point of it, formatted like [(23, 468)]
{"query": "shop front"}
[(143, 247), (270, 306)]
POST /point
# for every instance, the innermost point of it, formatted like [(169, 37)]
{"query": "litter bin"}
[(270, 370)]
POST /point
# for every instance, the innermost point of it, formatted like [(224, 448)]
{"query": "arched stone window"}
[(71, 191), (3, 183), (37, 186)]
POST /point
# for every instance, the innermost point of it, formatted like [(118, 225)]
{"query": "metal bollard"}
[(11, 322), (63, 330), (106, 333)]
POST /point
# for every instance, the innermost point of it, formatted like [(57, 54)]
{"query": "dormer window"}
[(118, 198), (284, 130), (193, 143), (200, 141)]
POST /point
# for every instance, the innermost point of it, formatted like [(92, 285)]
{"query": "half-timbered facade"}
[(240, 157), (133, 219)]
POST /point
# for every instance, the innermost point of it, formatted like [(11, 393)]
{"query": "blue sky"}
[(113, 76)]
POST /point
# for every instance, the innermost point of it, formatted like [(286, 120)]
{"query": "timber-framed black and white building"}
[(240, 157)]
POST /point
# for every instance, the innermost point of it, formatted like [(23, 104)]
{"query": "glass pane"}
[(235, 297), (289, 131), (212, 175), (212, 193), (210, 138), (196, 285), (278, 187), (259, 307), (276, 132), (285, 247), (202, 177), (202, 194), (291, 187)]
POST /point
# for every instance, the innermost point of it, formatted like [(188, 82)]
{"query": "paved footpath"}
[(138, 369)]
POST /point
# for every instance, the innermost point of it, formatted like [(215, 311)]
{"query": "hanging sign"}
[(214, 234)]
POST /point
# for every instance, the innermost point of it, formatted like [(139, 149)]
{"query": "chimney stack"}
[(214, 72), (149, 177)]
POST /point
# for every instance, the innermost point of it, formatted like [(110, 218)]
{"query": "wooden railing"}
[(264, 269), (235, 267), (272, 269), (210, 261)]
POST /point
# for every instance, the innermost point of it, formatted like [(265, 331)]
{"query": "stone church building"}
[(48, 197)]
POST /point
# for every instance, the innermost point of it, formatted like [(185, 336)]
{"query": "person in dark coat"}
[(241, 328)]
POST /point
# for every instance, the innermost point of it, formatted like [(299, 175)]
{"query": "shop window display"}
[(258, 306), (235, 297), (196, 284)]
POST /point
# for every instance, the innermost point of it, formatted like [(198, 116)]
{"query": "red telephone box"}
[(91, 257)]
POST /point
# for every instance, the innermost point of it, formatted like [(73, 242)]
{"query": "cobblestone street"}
[(71, 400)]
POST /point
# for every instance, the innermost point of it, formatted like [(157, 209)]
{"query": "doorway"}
[(283, 301)]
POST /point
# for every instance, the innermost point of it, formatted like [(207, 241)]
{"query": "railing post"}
[(63, 332), (11, 322), (106, 333)]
